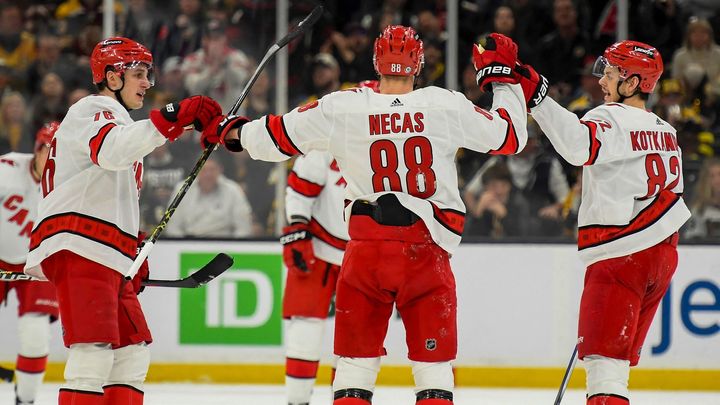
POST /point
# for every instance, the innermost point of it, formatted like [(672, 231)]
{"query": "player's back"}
[(19, 195)]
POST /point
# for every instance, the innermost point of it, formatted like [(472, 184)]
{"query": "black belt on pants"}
[(387, 210)]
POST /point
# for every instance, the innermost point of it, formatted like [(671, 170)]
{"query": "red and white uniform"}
[(632, 179), (316, 191), (19, 195), (91, 184), (403, 144)]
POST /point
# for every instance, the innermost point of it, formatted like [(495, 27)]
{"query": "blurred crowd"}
[(211, 47)]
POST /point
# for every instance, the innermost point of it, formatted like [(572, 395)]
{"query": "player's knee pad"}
[(303, 338), (607, 376), (88, 366), (356, 373), (34, 334), (433, 376), (130, 366)]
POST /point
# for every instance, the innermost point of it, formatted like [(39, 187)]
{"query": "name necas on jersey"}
[(19, 196), (91, 184), (403, 144), (316, 191)]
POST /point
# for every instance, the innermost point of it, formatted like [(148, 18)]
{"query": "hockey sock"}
[(352, 396), (76, 397), (434, 397), (300, 379), (29, 373), (119, 394), (603, 399)]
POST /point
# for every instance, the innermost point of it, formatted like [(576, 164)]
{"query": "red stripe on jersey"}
[(594, 142), (276, 128), (511, 143), (97, 141), (15, 268), (302, 186), (298, 368), (595, 235), (451, 219), (88, 227), (321, 233), (31, 365)]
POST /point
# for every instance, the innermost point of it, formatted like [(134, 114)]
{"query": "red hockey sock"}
[(73, 397), (350, 401), (119, 394), (434, 401), (607, 399), (31, 364), (301, 368)]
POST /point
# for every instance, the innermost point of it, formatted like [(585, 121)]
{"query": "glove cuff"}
[(541, 91), (233, 122), (295, 233), (168, 129)]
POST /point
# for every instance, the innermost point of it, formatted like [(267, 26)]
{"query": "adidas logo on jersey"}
[(658, 122), (396, 103)]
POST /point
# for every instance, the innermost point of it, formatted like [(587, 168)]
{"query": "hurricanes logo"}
[(430, 344)]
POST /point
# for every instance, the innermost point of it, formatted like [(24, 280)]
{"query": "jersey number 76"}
[(418, 158)]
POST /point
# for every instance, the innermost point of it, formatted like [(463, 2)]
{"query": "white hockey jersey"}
[(91, 185), (316, 192), (632, 181), (19, 195), (403, 144)]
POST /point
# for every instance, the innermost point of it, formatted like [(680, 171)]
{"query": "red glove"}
[(143, 272), (298, 252), (218, 129), (495, 63), (197, 111), (534, 85)]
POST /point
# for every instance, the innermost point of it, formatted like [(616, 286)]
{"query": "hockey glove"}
[(495, 61), (298, 252), (143, 272), (219, 128), (197, 111), (534, 85)]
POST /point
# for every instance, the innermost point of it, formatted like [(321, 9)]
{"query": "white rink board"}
[(518, 307)]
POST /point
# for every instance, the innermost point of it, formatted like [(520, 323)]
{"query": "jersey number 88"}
[(418, 156)]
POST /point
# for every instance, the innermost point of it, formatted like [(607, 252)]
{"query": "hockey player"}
[(630, 213), (85, 237), (19, 195), (396, 151), (313, 247)]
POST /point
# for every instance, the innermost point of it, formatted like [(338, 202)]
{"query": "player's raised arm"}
[(503, 129)]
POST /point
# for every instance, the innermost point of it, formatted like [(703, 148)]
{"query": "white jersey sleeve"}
[(632, 180), (306, 182)]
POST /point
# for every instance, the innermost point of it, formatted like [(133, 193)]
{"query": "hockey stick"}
[(566, 377), (212, 269), (302, 27)]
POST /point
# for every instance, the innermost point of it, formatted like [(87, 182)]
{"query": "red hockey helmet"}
[(120, 53), (44, 135), (398, 52), (374, 85), (632, 58)]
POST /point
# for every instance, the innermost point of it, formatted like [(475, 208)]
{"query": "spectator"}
[(504, 23), (13, 124), (698, 51), (215, 207), (216, 70), (172, 79), (324, 77), (705, 206), (185, 32), (17, 47), (50, 59), (500, 211), (161, 173), (589, 95), (538, 176), (560, 54), (145, 24), (77, 16), (353, 50), (76, 94), (433, 74), (49, 104)]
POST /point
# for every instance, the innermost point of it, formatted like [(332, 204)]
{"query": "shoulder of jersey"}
[(16, 162)]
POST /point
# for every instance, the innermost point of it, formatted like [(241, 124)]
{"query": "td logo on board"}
[(241, 307)]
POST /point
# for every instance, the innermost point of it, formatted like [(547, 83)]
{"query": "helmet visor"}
[(149, 72)]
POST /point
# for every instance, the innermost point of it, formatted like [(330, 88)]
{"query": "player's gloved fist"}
[(493, 60), (298, 252), (173, 118), (218, 129), (534, 85), (143, 272)]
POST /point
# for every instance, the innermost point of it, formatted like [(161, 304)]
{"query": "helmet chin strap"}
[(623, 97), (118, 96)]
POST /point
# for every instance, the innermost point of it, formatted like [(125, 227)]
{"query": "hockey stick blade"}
[(303, 26), (15, 276), (214, 268), (6, 374)]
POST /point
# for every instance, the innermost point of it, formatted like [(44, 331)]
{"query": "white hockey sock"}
[(607, 376), (27, 385), (34, 335), (303, 337)]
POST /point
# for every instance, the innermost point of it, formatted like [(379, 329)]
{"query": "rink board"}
[(517, 317)]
